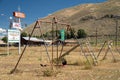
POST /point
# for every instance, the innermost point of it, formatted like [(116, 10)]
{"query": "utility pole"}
[(19, 11)]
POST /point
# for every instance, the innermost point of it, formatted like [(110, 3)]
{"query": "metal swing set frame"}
[(54, 22)]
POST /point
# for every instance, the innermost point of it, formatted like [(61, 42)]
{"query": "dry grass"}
[(29, 67)]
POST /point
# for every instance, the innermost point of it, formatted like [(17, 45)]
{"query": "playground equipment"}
[(109, 48), (92, 54), (54, 22)]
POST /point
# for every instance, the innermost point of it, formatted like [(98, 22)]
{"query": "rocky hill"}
[(90, 17)]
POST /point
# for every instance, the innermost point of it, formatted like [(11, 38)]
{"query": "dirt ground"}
[(29, 67)]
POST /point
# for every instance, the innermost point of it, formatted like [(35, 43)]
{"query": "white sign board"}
[(13, 36), (16, 25)]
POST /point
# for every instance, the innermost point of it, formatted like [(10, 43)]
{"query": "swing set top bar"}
[(55, 21)]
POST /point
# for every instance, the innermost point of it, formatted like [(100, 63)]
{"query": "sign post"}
[(14, 35)]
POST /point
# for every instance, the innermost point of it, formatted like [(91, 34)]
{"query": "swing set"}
[(59, 54), (110, 48), (54, 22)]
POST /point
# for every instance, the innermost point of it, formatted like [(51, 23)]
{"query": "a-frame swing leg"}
[(92, 53), (109, 48), (117, 50), (101, 49), (55, 22), (113, 55), (45, 45), (13, 70), (105, 54)]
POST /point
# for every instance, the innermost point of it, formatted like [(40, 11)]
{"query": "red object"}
[(18, 14)]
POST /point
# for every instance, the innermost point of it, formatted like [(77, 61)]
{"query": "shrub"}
[(50, 72), (47, 73), (23, 34), (5, 39), (81, 33)]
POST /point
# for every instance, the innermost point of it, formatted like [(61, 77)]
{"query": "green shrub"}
[(81, 33), (5, 39)]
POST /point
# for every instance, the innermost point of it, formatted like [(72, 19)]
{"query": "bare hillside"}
[(88, 17)]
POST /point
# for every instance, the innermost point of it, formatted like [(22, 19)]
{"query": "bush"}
[(87, 18), (81, 33), (23, 34), (47, 73), (5, 39)]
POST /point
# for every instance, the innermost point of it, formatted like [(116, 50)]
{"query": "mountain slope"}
[(87, 17)]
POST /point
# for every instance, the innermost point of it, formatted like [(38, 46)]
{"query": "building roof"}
[(31, 39), (1, 42), (36, 39)]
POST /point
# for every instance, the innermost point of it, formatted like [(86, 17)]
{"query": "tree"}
[(23, 34), (5, 39), (72, 31), (67, 36), (81, 33)]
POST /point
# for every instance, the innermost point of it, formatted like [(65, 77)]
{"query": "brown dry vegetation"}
[(29, 67), (83, 17)]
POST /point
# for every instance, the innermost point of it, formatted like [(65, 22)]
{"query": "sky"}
[(35, 9)]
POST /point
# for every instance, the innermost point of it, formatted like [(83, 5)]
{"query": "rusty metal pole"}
[(116, 34), (52, 40), (12, 71), (55, 21)]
